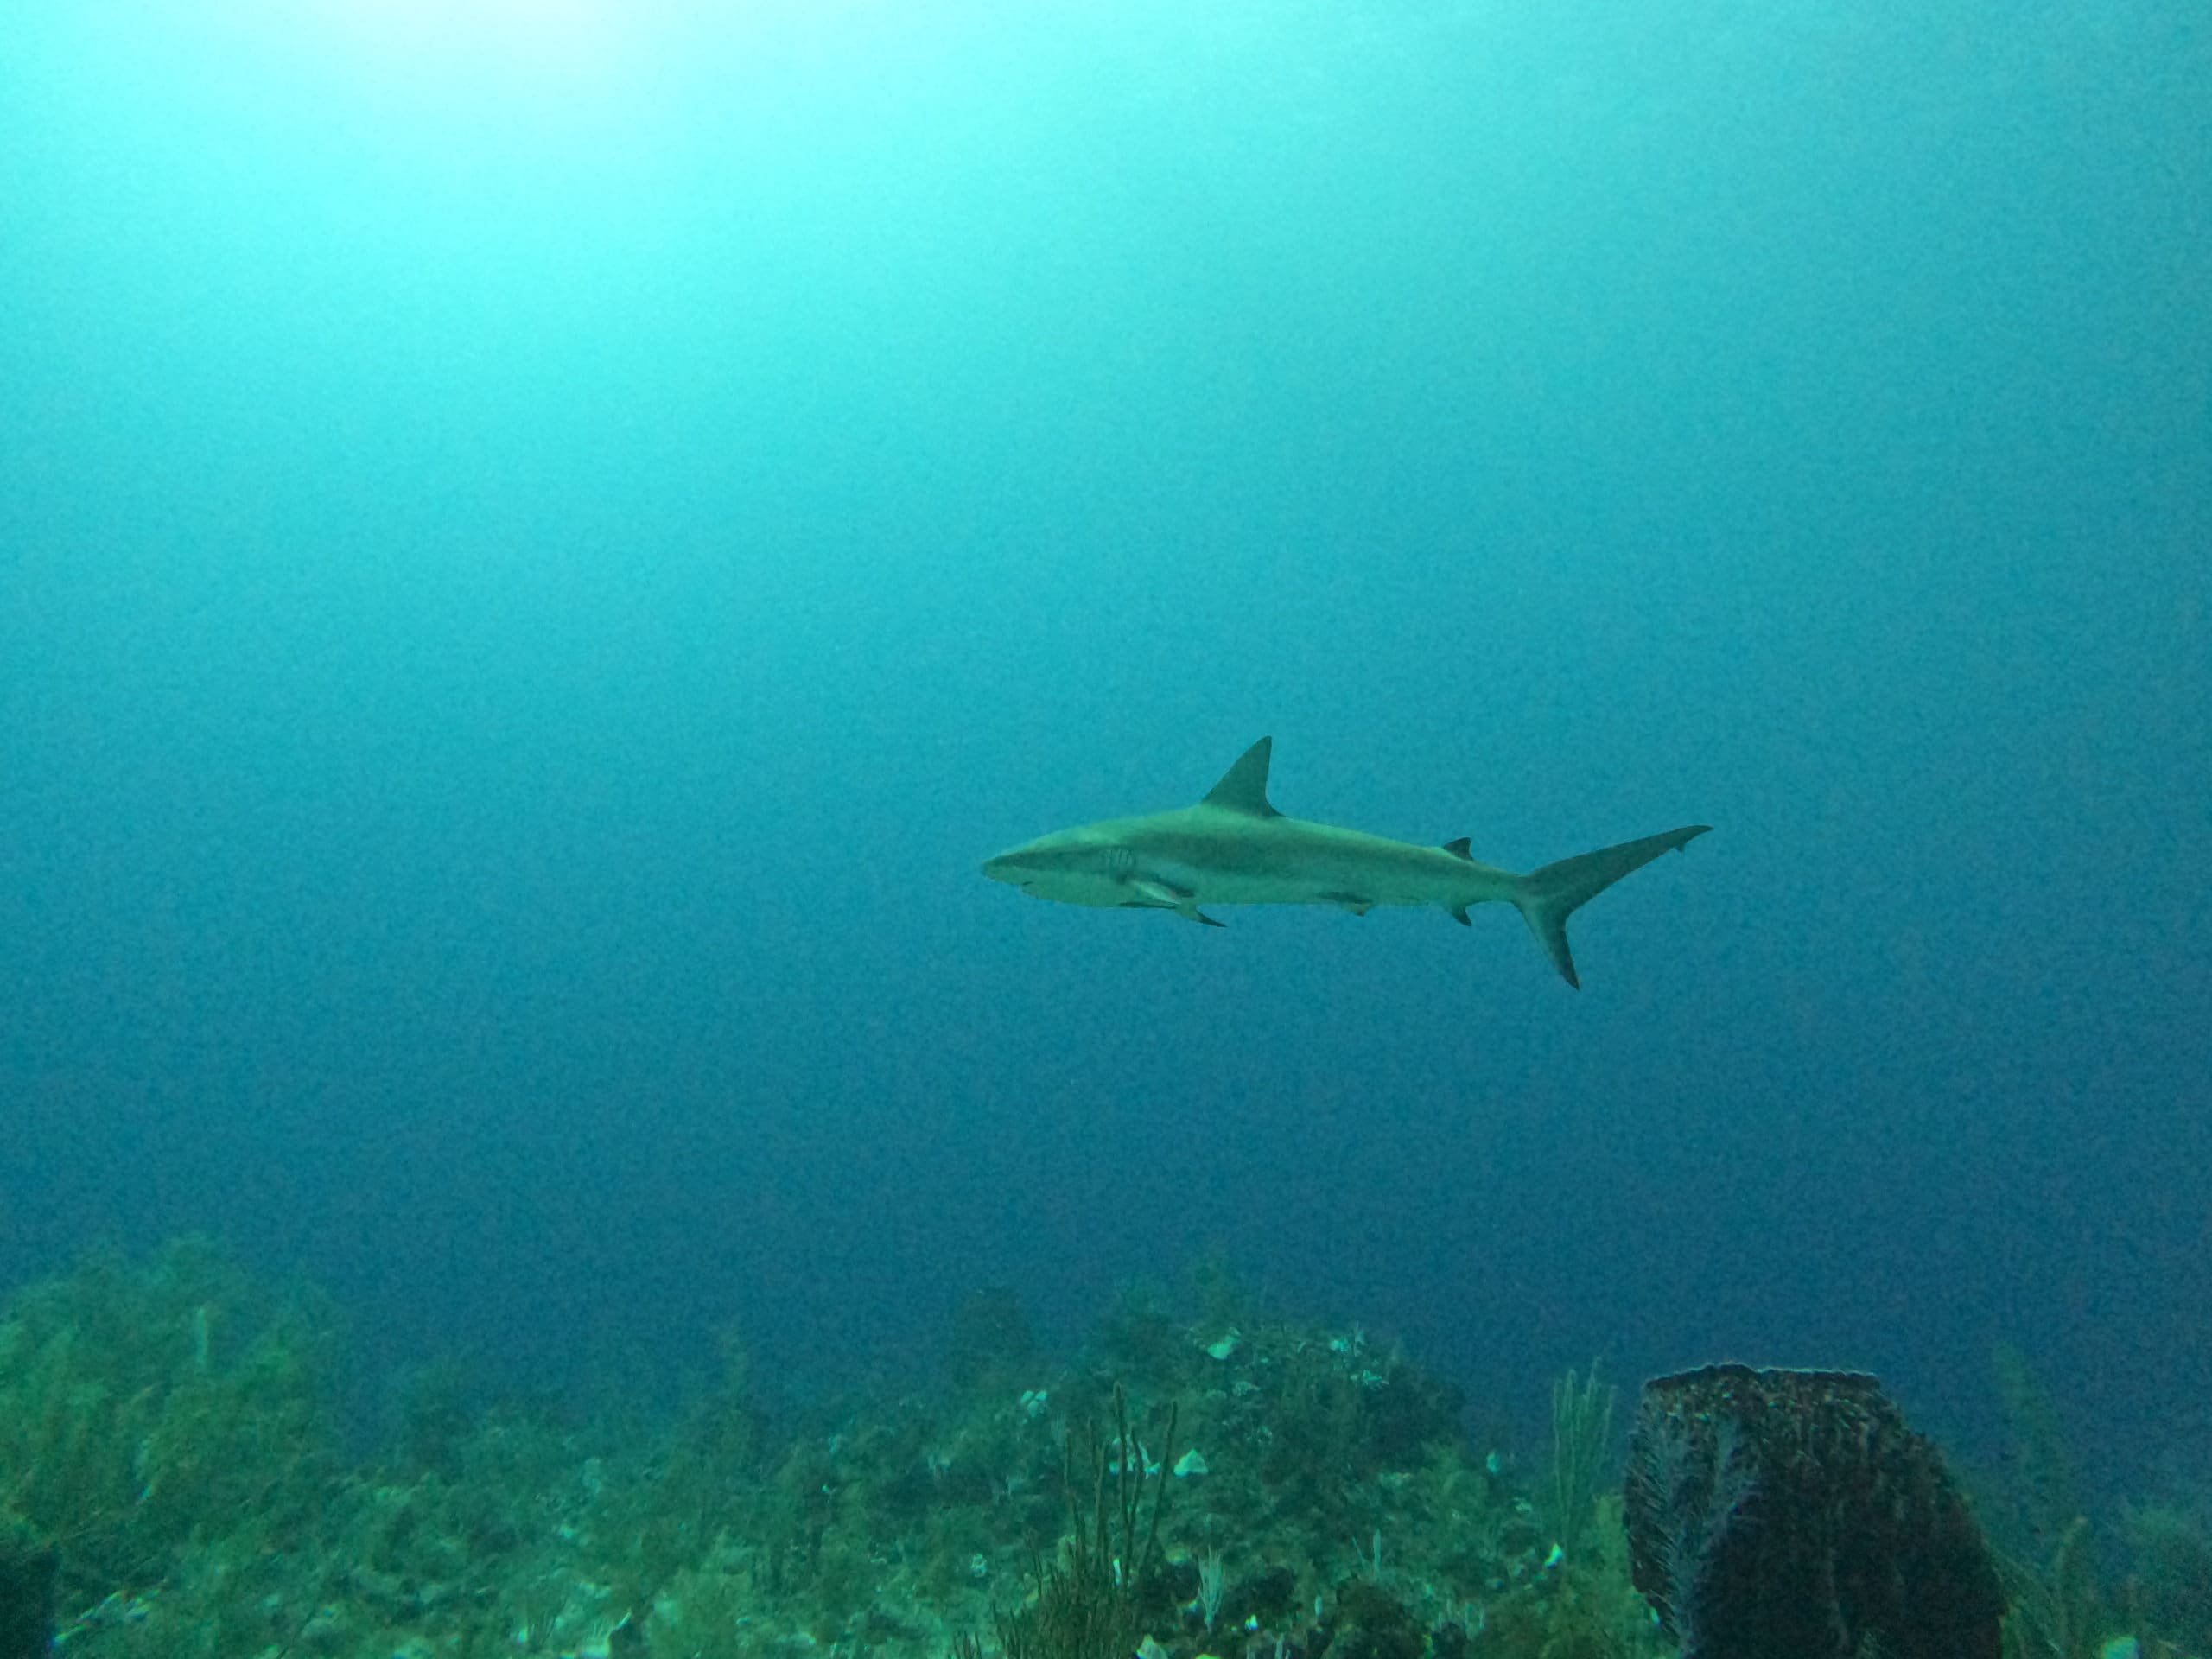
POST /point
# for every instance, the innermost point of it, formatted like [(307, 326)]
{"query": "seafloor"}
[(178, 1476)]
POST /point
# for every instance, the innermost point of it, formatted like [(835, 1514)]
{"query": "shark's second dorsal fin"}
[(1462, 847), (1243, 787)]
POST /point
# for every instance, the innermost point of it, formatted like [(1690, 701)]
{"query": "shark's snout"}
[(1064, 866)]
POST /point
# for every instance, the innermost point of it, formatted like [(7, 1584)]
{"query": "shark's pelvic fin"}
[(1243, 787), (1548, 896)]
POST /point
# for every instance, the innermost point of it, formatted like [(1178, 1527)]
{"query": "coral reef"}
[(168, 1430), (1207, 1477)]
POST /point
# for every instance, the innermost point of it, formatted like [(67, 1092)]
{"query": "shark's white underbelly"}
[(1336, 880)]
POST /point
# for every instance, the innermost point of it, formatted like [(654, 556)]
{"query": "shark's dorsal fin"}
[(1462, 847), (1243, 787)]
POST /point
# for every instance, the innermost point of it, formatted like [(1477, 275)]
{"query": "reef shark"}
[(1233, 847)]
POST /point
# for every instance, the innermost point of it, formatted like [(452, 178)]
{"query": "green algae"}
[(141, 1406)]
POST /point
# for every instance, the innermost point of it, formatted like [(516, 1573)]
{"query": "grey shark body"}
[(1233, 847)]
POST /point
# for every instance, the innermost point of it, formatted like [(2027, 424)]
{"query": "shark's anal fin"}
[(1459, 915), (1243, 787)]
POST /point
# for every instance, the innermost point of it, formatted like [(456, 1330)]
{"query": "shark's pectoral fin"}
[(1188, 908), (1164, 895), (1160, 895)]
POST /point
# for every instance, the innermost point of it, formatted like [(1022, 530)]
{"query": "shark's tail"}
[(1548, 897)]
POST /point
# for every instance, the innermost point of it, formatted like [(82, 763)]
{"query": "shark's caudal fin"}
[(1548, 897)]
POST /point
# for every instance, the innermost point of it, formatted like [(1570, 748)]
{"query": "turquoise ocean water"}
[(542, 546)]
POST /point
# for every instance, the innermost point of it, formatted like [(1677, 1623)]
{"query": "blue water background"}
[(538, 551)]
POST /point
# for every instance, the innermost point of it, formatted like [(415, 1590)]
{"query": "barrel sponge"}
[(1792, 1512)]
